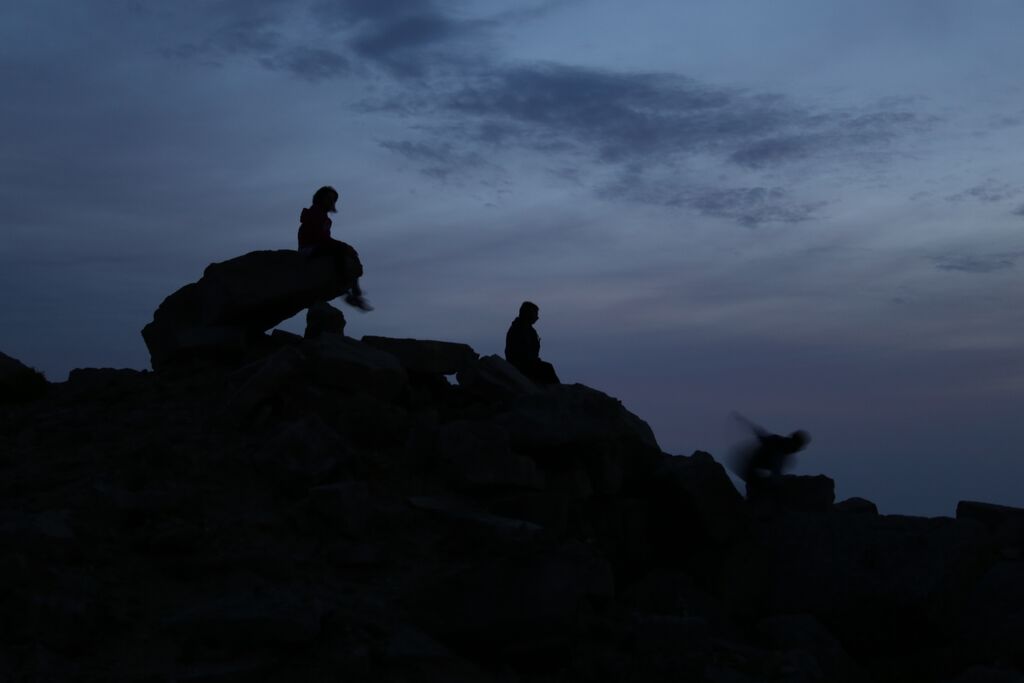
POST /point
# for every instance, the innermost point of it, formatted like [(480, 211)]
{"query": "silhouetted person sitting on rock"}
[(761, 463), (522, 346), (315, 239)]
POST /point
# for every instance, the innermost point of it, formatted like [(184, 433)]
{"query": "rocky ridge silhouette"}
[(322, 508)]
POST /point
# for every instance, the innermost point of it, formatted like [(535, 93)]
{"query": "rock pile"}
[(336, 509)]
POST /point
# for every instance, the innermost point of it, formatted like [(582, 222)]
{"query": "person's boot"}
[(358, 301)]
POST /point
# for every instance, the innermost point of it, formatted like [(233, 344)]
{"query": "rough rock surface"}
[(324, 512), (323, 317), (431, 357), (18, 382)]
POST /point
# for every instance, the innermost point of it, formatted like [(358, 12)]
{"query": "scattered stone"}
[(323, 317)]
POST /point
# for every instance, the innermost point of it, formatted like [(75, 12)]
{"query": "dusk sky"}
[(807, 211)]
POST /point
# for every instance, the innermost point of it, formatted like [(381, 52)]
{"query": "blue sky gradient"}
[(810, 212)]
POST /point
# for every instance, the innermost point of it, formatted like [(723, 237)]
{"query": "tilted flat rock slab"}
[(238, 298), (432, 357)]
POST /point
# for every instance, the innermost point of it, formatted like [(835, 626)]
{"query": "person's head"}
[(529, 312), (326, 198)]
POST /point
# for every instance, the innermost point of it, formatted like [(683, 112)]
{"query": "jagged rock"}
[(428, 357), (477, 455), (992, 516), (345, 520), (495, 378), (515, 605), (697, 499), (880, 577), (856, 506), (453, 509), (348, 364), (105, 383), (675, 593), (1006, 524), (541, 508), (18, 382), (355, 511), (262, 382), (993, 615), (987, 674), (564, 416), (804, 633), (793, 492), (236, 300), (267, 619), (670, 647), (323, 317), (306, 451)]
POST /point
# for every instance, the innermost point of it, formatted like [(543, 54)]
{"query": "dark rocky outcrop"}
[(427, 357), (18, 382), (236, 301), (324, 509)]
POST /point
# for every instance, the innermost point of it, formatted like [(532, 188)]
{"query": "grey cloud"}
[(343, 13), (643, 127), (990, 190), (751, 206), (400, 45), (623, 116), (1019, 211), (748, 206), (773, 151), (409, 39), (311, 64), (441, 160), (977, 264)]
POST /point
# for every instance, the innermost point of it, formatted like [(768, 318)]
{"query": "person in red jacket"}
[(315, 238)]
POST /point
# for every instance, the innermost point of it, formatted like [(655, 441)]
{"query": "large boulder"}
[(477, 455), (874, 577), (425, 356), (514, 606), (238, 299), (565, 416), (492, 377), (351, 365), (18, 381), (696, 501)]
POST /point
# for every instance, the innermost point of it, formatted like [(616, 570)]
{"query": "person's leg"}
[(546, 373)]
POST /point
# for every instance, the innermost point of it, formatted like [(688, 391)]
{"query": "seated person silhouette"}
[(761, 463), (315, 239), (522, 346)]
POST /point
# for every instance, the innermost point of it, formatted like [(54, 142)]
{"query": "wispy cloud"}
[(990, 190), (980, 264)]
